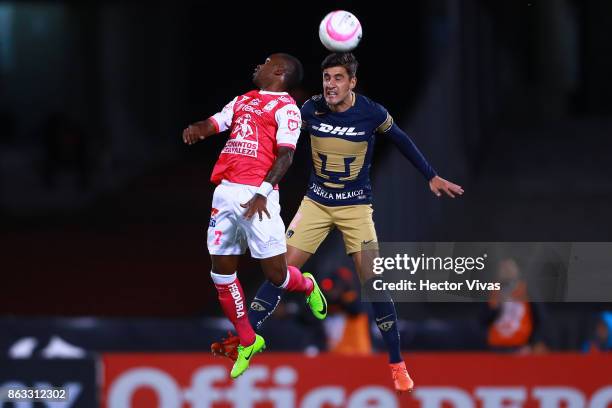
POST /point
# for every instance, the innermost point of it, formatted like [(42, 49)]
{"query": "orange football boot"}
[(401, 379), (227, 347)]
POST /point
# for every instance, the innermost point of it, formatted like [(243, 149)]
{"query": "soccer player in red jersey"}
[(343, 126), (264, 128)]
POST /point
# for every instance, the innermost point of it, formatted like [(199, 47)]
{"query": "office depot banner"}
[(442, 380)]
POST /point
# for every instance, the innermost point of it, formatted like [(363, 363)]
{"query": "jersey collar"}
[(272, 93)]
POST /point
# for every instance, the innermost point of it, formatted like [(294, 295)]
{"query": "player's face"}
[(337, 85), (259, 74), (264, 73)]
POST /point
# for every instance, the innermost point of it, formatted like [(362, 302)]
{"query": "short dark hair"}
[(295, 71), (341, 59)]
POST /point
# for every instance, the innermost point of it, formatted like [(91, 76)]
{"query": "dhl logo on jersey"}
[(337, 130)]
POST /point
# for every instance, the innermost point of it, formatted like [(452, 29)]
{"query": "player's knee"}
[(223, 267), (365, 274), (222, 271)]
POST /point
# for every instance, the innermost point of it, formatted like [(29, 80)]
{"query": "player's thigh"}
[(224, 236), (310, 226), (266, 237), (357, 227)]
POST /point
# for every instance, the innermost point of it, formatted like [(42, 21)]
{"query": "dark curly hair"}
[(341, 59)]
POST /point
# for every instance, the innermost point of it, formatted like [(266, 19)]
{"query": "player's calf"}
[(232, 300), (263, 305)]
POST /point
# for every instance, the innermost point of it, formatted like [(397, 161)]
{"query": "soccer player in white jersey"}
[(264, 128)]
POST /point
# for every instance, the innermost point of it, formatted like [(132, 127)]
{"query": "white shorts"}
[(229, 232)]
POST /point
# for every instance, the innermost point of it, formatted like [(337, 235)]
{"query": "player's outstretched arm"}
[(437, 184), (199, 131), (219, 122), (257, 204)]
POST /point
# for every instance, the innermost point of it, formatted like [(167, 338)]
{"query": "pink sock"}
[(233, 304), (296, 282)]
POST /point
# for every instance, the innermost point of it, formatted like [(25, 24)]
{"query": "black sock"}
[(386, 320)]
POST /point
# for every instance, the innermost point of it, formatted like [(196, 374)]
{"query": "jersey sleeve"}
[(223, 120), (410, 151), (383, 119), (289, 123), (306, 107)]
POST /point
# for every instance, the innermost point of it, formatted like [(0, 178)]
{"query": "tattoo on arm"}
[(281, 165)]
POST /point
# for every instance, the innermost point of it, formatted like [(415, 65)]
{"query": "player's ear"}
[(353, 83), (280, 70)]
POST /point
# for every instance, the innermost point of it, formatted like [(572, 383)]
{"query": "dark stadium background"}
[(510, 99)]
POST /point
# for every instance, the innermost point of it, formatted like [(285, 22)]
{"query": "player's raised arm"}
[(198, 131), (216, 123), (407, 147)]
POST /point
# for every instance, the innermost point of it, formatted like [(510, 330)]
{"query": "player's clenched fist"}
[(192, 134), (199, 131)]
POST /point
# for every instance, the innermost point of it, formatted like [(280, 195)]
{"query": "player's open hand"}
[(257, 204), (192, 134), (439, 185)]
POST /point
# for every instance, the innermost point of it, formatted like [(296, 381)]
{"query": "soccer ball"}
[(340, 31)]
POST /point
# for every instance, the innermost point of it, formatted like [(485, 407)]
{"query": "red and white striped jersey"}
[(260, 122)]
